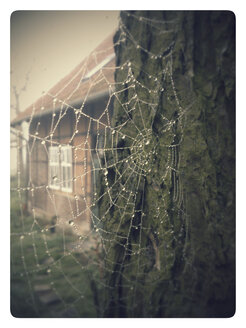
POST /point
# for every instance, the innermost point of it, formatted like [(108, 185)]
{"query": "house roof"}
[(90, 79)]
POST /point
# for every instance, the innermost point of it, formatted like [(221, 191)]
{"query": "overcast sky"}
[(50, 44)]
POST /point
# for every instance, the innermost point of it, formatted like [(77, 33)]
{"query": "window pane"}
[(64, 177), (62, 155), (54, 171), (66, 157), (66, 168), (69, 176), (69, 155)]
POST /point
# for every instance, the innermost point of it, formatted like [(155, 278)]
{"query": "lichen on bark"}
[(175, 256)]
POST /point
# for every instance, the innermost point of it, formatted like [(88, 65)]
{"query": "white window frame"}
[(54, 168), (66, 167), (60, 168)]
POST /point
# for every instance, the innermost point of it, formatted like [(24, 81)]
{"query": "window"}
[(54, 168), (66, 168), (60, 168)]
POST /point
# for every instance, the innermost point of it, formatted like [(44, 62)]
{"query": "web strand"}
[(99, 152)]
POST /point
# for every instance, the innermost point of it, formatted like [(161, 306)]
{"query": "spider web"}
[(64, 262)]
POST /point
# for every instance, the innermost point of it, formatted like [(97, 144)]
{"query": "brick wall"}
[(67, 206)]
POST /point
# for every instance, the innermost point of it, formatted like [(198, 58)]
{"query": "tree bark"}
[(175, 257)]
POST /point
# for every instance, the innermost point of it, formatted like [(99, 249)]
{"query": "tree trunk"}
[(170, 230)]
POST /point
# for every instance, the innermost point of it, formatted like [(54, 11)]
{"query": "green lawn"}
[(39, 257)]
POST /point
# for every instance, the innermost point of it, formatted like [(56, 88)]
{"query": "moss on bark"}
[(185, 214)]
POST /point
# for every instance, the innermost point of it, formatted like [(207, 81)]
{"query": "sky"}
[(47, 45)]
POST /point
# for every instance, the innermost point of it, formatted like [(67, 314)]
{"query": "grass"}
[(39, 257)]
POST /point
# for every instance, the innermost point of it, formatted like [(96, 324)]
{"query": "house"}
[(67, 126)]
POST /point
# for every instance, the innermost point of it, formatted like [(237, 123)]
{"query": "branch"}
[(18, 93)]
